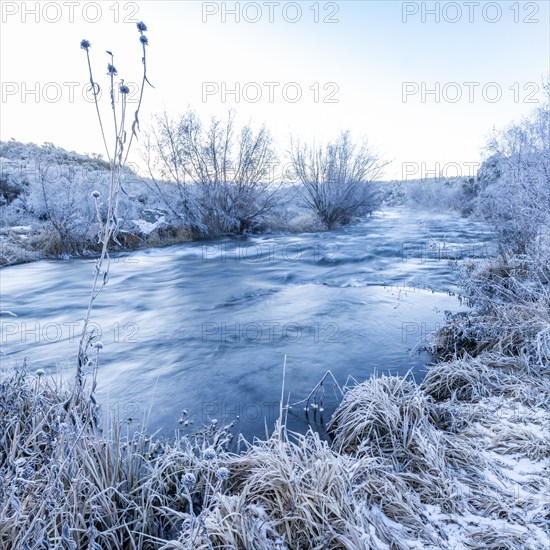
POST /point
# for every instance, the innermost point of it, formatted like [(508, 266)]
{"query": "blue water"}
[(206, 326)]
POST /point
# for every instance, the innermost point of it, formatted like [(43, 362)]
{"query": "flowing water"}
[(206, 326)]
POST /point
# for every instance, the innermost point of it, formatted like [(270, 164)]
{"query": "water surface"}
[(205, 326)]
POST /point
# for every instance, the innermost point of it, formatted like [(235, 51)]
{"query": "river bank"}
[(23, 244)]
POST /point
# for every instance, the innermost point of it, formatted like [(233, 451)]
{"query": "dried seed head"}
[(85, 44), (209, 454), (222, 473), (188, 480)]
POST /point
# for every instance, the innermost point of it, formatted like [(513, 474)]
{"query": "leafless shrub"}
[(336, 179), (222, 177)]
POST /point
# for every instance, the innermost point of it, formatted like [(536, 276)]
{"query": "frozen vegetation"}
[(182, 190), (459, 460), (47, 207)]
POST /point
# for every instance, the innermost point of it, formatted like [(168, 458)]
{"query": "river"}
[(205, 327)]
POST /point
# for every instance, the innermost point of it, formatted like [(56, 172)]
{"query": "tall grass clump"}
[(65, 483)]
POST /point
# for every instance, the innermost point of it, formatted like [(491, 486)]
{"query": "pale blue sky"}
[(364, 59)]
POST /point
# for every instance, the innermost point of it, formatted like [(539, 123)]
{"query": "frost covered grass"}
[(512, 317), (67, 483)]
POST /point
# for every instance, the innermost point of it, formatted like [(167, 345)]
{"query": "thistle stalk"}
[(109, 227)]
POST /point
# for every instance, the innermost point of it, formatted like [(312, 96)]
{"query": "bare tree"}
[(222, 175), (336, 178), (515, 180), (165, 161)]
